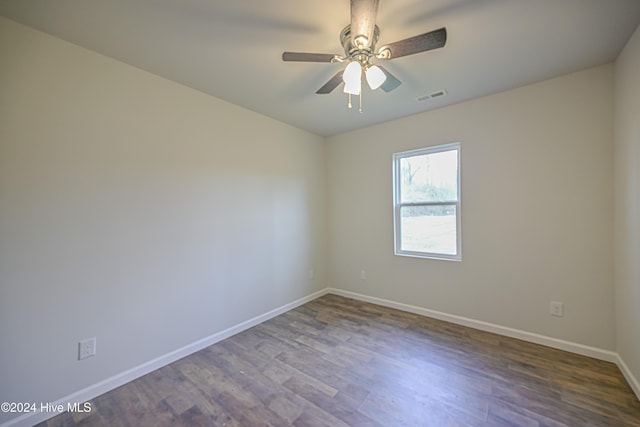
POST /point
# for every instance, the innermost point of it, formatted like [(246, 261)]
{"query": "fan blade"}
[(391, 82), (331, 84), (363, 21), (308, 57), (427, 41)]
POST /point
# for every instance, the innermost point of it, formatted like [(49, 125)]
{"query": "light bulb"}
[(375, 77), (352, 77)]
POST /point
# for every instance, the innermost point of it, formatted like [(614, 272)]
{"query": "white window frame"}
[(398, 205)]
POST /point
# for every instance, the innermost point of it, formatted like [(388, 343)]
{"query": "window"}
[(426, 187)]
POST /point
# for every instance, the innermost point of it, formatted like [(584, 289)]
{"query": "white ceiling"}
[(232, 49)]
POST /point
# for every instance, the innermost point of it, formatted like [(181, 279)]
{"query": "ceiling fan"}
[(359, 42)]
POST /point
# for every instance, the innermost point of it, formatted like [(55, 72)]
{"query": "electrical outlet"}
[(363, 275), (86, 348), (311, 274), (556, 308)]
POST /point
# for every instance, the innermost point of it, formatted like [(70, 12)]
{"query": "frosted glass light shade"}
[(352, 77), (375, 77)]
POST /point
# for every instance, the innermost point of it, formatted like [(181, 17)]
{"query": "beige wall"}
[(536, 210), (140, 212), (627, 205)]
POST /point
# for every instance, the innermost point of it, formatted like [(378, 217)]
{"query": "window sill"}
[(438, 257)]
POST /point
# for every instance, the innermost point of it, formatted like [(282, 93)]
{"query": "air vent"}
[(437, 94)]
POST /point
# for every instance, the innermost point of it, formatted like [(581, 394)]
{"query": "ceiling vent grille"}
[(437, 94)]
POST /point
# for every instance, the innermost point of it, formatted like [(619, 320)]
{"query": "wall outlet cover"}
[(557, 308), (86, 348)]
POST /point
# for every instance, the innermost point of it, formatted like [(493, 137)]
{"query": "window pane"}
[(429, 229), (429, 177)]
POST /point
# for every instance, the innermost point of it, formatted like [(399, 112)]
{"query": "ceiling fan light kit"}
[(352, 78), (359, 42), (375, 77)]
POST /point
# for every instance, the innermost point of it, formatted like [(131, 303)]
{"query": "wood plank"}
[(339, 362)]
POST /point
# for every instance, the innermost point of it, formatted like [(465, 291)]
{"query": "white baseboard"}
[(111, 383), (95, 390), (584, 350), (596, 353), (631, 379)]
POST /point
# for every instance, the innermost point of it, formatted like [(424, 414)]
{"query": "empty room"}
[(319, 213)]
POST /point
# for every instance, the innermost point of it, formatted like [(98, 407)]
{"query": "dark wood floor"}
[(340, 362)]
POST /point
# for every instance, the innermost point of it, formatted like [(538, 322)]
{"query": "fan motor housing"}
[(352, 50)]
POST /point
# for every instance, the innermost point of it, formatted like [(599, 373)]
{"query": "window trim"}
[(398, 205)]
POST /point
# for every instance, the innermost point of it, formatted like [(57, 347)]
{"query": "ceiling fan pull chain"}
[(360, 101), (349, 104)]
